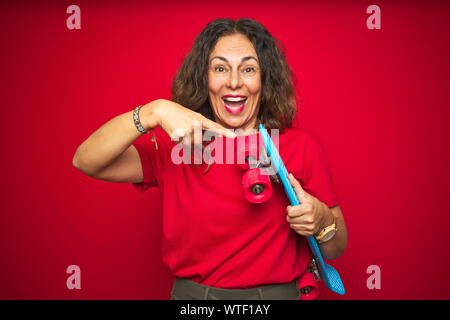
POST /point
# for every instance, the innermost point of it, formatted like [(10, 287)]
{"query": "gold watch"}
[(327, 233)]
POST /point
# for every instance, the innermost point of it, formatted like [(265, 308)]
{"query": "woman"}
[(217, 244)]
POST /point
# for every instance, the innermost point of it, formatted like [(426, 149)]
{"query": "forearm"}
[(111, 140), (335, 247)]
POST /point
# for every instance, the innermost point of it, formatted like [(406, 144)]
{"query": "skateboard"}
[(257, 186), (258, 189)]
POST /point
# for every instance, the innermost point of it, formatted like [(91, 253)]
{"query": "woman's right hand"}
[(178, 121)]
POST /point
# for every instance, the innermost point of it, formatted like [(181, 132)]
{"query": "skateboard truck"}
[(308, 282), (256, 179)]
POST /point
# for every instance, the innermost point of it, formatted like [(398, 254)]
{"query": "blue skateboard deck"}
[(327, 273)]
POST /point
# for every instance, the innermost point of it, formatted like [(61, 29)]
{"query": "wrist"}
[(328, 219), (329, 229), (149, 116)]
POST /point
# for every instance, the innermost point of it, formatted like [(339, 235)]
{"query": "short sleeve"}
[(318, 181), (145, 148)]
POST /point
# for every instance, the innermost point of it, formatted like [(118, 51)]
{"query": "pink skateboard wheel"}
[(257, 185), (309, 287)]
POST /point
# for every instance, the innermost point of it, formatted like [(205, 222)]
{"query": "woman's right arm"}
[(108, 154)]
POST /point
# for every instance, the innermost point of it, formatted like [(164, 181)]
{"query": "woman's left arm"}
[(312, 215), (335, 247)]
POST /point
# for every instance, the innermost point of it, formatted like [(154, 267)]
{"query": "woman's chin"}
[(234, 123), (238, 125)]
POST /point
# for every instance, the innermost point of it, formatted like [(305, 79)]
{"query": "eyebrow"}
[(242, 60)]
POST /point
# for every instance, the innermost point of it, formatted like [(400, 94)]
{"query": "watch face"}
[(330, 234)]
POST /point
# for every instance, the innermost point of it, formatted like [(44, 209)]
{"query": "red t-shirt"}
[(212, 234)]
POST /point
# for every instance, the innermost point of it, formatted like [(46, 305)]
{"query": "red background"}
[(377, 99)]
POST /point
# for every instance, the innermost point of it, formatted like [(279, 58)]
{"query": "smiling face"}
[(234, 79)]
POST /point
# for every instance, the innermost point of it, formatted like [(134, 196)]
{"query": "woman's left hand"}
[(310, 216)]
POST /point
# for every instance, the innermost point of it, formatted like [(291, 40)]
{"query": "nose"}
[(234, 80)]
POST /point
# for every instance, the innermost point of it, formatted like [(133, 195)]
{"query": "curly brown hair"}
[(277, 103)]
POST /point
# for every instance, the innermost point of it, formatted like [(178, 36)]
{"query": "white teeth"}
[(234, 99)]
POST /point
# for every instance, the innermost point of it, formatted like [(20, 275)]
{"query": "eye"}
[(219, 69), (249, 69)]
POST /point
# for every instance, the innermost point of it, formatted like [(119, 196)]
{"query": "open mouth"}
[(234, 104)]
